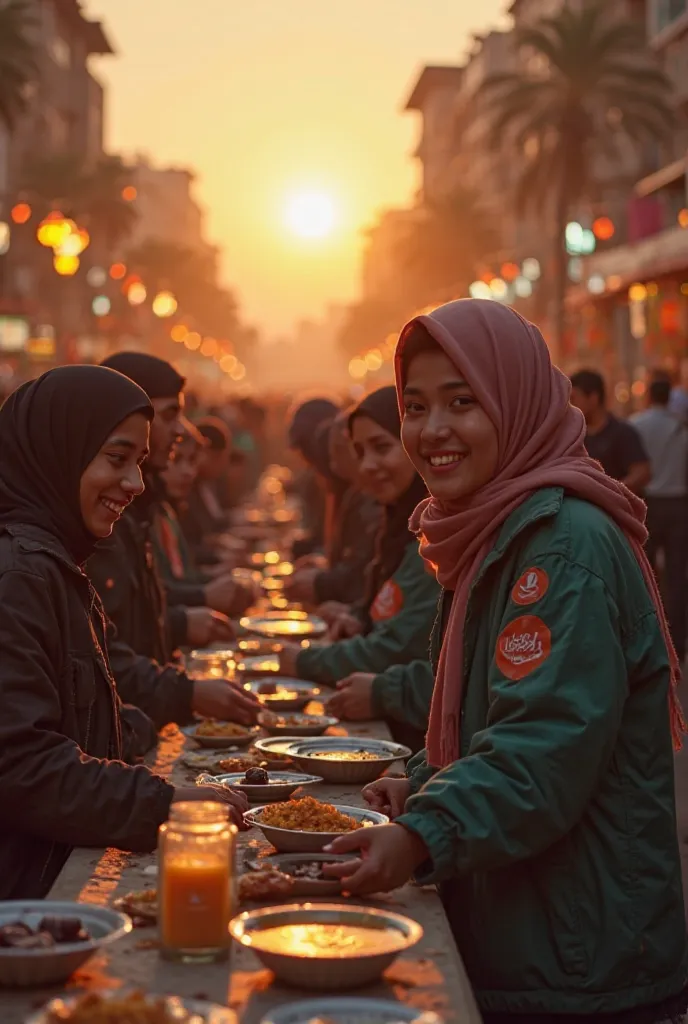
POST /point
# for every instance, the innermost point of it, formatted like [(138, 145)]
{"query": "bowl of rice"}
[(307, 825)]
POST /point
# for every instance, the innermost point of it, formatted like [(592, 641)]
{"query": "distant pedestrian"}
[(665, 438), (611, 441), (678, 403)]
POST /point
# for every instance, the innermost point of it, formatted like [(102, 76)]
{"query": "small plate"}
[(259, 665), (208, 1013), (291, 694), (349, 1011), (276, 724), (219, 742), (296, 625), (303, 886), (281, 785)]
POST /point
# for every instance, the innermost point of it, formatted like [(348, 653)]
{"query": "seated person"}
[(204, 516), (305, 421), (350, 530), (73, 443), (392, 626)]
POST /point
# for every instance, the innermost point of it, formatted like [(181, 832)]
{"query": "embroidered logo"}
[(522, 647), (388, 603), (531, 587)]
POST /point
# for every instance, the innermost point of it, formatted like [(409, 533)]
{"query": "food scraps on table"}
[(136, 1008), (51, 931), (213, 727), (308, 815), (141, 905), (265, 884)]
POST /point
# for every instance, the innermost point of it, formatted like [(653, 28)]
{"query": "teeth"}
[(445, 460), (113, 506)]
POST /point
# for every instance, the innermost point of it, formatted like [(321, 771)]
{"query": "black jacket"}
[(353, 548), (123, 570), (63, 782)]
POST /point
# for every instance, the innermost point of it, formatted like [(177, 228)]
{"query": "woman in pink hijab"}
[(544, 803)]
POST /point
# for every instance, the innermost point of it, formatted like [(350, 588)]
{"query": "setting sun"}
[(310, 214)]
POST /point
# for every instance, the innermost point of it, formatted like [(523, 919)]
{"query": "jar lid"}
[(199, 812)]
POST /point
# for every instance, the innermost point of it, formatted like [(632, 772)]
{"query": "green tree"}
[(443, 244), (589, 82), (18, 60)]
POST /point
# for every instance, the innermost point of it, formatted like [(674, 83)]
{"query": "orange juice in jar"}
[(196, 881)]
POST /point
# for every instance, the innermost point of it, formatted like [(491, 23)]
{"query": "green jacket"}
[(403, 613), (401, 696), (555, 833)]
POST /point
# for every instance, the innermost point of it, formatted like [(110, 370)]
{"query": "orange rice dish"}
[(211, 727), (308, 815)]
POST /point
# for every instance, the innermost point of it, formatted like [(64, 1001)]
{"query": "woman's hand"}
[(388, 796), (354, 698), (344, 627), (237, 802), (331, 610), (388, 856), (229, 702), (301, 586), (205, 626)]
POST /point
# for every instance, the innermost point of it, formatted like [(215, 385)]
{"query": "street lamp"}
[(164, 305), (66, 266)]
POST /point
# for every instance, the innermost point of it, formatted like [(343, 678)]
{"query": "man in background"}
[(665, 438), (611, 441)]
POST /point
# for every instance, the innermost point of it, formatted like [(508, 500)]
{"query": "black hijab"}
[(305, 421), (394, 536), (158, 378), (51, 429)]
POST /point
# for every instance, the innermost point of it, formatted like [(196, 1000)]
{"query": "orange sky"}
[(264, 97)]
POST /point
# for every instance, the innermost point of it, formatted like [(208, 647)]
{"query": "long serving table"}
[(429, 977)]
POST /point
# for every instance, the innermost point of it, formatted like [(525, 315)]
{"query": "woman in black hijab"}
[(72, 446)]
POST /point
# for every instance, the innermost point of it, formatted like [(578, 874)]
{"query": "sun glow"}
[(310, 214)]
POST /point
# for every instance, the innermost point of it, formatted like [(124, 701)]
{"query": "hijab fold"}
[(51, 429), (541, 440)]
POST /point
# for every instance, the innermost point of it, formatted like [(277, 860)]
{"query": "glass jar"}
[(196, 881)]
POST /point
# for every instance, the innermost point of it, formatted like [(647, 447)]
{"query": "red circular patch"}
[(531, 587), (388, 603), (522, 647)]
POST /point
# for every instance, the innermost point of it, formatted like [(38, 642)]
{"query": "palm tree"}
[(442, 246), (18, 61), (589, 83)]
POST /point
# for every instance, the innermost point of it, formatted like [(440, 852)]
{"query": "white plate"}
[(280, 787), (219, 742), (289, 840), (349, 1011), (206, 1013)]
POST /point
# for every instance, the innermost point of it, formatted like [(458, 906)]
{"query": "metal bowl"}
[(349, 1011), (332, 973), (24, 968), (259, 666), (296, 693), (297, 725), (289, 840), (343, 771), (281, 785), (220, 742), (208, 1013), (287, 625), (273, 746), (303, 886)]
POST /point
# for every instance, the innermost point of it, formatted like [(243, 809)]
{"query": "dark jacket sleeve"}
[(164, 693), (394, 641), (138, 733), (50, 788), (403, 693), (190, 595), (107, 570), (177, 626)]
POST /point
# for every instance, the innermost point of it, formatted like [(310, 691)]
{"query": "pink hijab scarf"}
[(541, 444)]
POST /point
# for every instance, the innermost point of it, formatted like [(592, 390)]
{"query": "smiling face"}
[(113, 479), (446, 432), (165, 429), (384, 469)]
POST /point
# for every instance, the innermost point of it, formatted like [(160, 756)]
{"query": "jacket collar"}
[(543, 504), (33, 538)]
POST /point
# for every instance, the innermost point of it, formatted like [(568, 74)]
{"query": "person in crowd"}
[(350, 539), (543, 804), (124, 570), (665, 439), (678, 404), (614, 443), (393, 624), (204, 516), (72, 443), (303, 427)]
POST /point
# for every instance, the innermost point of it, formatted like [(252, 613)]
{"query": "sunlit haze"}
[(274, 99), (311, 214)]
